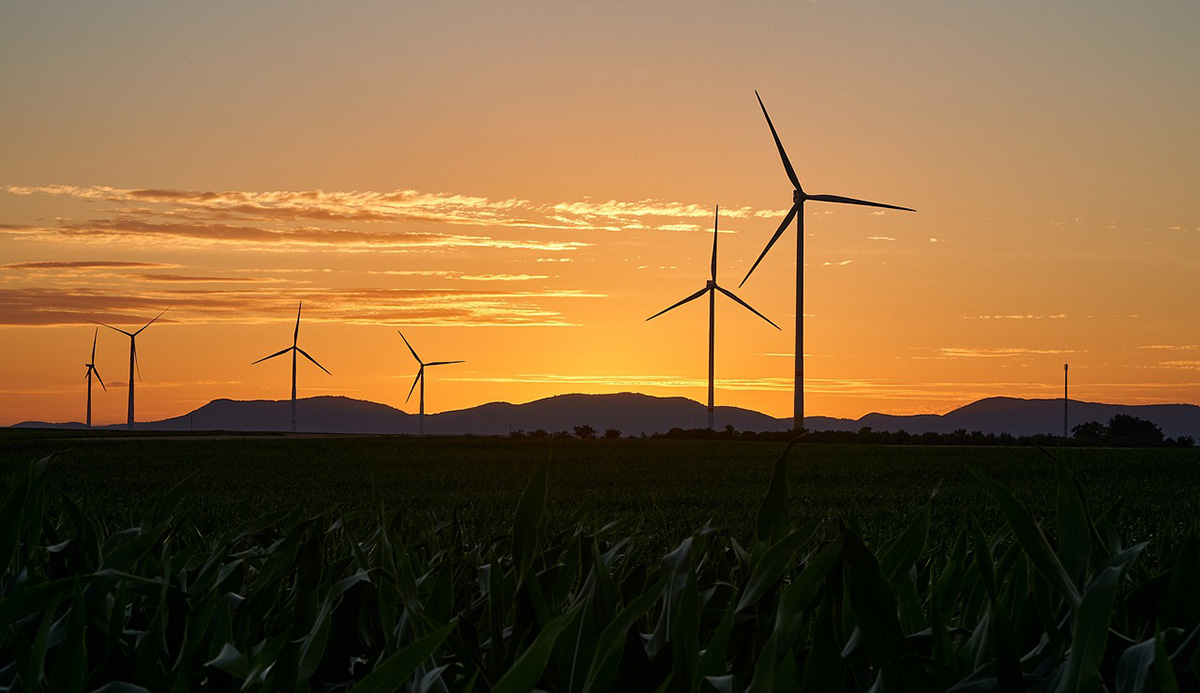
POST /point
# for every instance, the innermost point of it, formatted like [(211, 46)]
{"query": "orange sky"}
[(520, 185)]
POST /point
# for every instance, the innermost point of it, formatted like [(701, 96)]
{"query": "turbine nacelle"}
[(711, 286)]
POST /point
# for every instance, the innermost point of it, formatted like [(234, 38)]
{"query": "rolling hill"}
[(634, 414)]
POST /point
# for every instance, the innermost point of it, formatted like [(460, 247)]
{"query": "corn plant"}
[(287, 602)]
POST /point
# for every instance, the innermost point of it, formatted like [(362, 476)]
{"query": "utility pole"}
[(1065, 400)]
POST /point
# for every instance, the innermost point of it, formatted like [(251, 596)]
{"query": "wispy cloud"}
[(309, 205), (501, 277), (613, 209), (1015, 316), (203, 235), (47, 306), (154, 277), (232, 213), (451, 274), (85, 265), (979, 352)]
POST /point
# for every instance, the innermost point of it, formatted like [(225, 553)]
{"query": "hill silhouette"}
[(635, 414)]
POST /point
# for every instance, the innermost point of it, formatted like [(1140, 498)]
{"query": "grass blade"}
[(391, 674), (1031, 539), (527, 521)]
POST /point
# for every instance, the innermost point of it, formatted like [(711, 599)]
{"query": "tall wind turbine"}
[(295, 350), (799, 197), (421, 379), (133, 362), (711, 288), (91, 369)]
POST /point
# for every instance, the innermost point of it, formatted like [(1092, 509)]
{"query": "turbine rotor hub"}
[(798, 196)]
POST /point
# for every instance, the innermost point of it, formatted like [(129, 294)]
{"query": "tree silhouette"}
[(1122, 430), (1130, 431)]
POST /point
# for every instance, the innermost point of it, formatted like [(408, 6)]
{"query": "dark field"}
[(467, 585), (670, 488)]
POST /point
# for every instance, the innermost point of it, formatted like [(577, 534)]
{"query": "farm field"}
[(671, 488), (509, 565)]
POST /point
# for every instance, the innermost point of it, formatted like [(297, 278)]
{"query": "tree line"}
[(1121, 431)]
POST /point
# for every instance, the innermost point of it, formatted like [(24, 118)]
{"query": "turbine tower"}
[(1066, 401), (799, 197), (295, 350), (711, 288), (421, 379), (133, 362), (91, 369)]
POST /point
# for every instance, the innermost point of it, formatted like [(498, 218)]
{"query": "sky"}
[(520, 185)]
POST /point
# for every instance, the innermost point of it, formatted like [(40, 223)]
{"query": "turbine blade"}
[(420, 372), (414, 351), (281, 352), (156, 317), (779, 232), (136, 364), (693, 297), (296, 334), (716, 217), (104, 324), (94, 336), (443, 363), (851, 201), (99, 378), (305, 354), (787, 165), (747, 306)]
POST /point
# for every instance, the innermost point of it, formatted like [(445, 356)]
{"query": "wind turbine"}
[(799, 197), (421, 379), (711, 288), (295, 350), (133, 362), (91, 369)]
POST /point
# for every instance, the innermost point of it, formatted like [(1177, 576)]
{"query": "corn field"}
[(287, 602)]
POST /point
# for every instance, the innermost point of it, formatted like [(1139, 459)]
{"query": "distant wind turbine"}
[(295, 350), (421, 379), (91, 369), (711, 288), (799, 197), (133, 362)]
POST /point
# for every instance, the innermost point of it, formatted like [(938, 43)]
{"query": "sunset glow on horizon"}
[(520, 186)]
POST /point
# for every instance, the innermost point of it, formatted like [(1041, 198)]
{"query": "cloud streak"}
[(203, 235), (231, 212), (85, 265), (362, 306)]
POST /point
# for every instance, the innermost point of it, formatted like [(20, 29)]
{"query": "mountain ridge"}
[(635, 414)]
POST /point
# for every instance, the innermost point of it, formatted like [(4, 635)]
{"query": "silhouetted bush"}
[(585, 431), (612, 433)]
